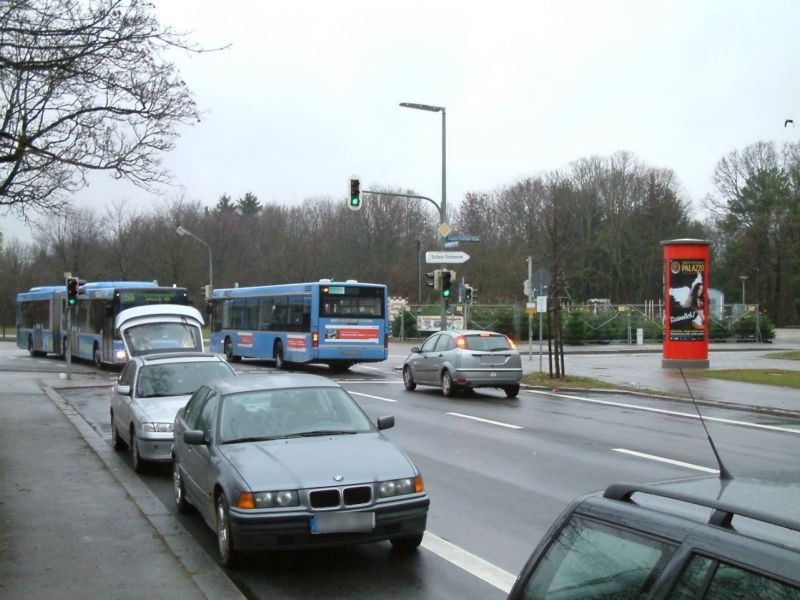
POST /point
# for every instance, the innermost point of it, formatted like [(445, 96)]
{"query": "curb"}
[(714, 403), (206, 574)]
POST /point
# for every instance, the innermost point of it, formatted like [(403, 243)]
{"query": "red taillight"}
[(315, 339)]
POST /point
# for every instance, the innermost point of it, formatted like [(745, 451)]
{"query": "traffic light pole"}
[(442, 209)]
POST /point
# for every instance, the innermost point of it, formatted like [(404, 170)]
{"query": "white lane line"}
[(455, 414), (491, 574), (666, 460), (373, 397), (669, 412)]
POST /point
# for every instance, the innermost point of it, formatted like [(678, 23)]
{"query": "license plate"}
[(493, 360), (355, 522)]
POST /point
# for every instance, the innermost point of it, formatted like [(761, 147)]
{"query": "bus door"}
[(55, 325)]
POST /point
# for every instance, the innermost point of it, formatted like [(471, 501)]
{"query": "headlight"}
[(278, 499), (122, 356), (400, 487), (157, 427)]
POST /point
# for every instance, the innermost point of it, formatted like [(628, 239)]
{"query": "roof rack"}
[(722, 514)]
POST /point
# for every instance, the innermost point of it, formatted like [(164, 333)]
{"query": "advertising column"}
[(686, 310)]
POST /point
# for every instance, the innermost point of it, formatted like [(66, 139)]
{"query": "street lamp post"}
[(184, 231), (743, 278), (443, 205)]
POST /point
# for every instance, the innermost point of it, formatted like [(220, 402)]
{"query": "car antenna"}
[(724, 474)]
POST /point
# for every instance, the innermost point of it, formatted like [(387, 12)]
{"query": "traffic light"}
[(473, 294), (354, 200), (447, 282), (526, 287), (468, 294), (430, 279), (72, 291)]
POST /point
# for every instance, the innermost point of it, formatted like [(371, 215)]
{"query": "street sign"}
[(463, 237), (445, 257), (448, 244), (444, 229), (541, 304)]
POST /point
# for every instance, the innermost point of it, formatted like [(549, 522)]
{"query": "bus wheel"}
[(280, 363), (31, 351), (340, 367), (98, 361), (229, 351)]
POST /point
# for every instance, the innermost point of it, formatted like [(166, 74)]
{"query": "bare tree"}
[(84, 87)]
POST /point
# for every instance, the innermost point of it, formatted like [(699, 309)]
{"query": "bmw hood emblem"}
[(338, 477)]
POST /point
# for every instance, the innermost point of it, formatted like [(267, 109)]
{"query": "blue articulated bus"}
[(42, 317), (335, 323), (39, 319)]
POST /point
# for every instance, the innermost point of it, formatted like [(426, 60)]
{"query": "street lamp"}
[(443, 205), (743, 278), (428, 107), (183, 231)]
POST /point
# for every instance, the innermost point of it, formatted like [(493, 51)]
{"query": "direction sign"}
[(445, 257), (463, 237)]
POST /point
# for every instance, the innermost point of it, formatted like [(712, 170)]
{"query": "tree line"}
[(596, 225)]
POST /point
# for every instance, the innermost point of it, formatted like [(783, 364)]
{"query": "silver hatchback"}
[(456, 360)]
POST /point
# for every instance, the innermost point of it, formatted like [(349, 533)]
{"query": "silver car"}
[(455, 360), (290, 460), (148, 393)]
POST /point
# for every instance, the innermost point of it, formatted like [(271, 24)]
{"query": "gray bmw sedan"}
[(288, 460)]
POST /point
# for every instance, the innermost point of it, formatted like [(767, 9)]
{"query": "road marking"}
[(669, 412), (666, 460), (455, 414), (491, 574), (373, 397)]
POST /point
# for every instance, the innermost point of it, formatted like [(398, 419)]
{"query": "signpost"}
[(463, 237), (445, 257)]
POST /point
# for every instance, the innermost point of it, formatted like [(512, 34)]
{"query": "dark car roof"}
[(765, 506), (270, 381)]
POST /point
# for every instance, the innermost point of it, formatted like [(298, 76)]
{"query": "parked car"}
[(455, 360), (286, 461), (703, 537), (147, 395)]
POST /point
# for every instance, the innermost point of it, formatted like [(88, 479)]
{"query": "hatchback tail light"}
[(461, 342), (315, 339)]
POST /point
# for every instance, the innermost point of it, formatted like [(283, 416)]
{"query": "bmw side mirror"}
[(122, 390), (194, 437), (386, 422)]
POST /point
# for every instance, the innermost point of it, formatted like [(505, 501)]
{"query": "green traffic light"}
[(445, 293), (355, 201), (72, 301)]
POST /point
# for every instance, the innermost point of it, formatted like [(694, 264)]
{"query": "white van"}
[(159, 328)]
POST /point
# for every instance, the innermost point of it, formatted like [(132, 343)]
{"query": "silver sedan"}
[(455, 360), (290, 460)]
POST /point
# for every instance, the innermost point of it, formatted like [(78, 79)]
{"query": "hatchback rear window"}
[(487, 342)]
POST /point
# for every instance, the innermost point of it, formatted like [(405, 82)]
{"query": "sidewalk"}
[(74, 521), (640, 367)]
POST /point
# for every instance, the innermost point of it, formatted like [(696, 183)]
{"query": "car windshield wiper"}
[(258, 438), (319, 432)]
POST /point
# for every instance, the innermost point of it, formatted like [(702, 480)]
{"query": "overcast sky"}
[(308, 93)]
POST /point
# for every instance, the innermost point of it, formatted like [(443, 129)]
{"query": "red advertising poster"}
[(686, 284)]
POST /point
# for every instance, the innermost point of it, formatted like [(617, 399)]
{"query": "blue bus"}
[(42, 317), (335, 323), (39, 319)]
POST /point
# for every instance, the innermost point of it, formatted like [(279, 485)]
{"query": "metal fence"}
[(583, 323)]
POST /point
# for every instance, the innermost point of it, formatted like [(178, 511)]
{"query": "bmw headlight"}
[(279, 499), (157, 427), (400, 487)]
